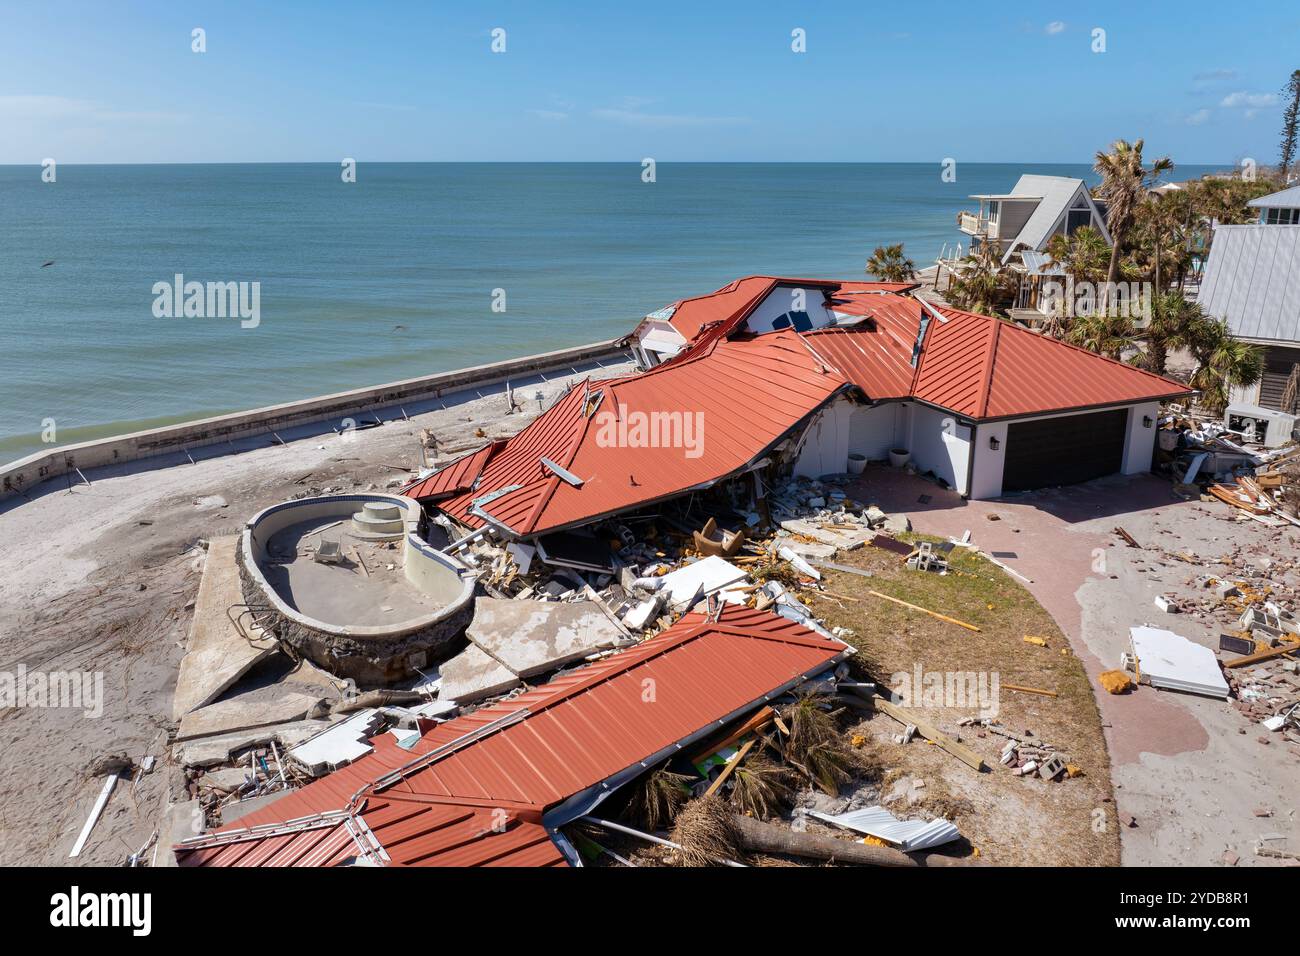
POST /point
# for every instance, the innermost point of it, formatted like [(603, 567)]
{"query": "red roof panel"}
[(463, 800), (699, 420)]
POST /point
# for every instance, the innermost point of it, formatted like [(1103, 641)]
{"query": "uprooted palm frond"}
[(657, 797), (815, 745), (706, 832), (761, 787), (811, 723)]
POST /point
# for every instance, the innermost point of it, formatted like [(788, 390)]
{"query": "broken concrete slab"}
[(812, 550), (842, 539), (227, 779), (210, 751), (897, 524), (180, 821), (218, 653), (242, 808), (243, 713), (473, 675), (533, 637)]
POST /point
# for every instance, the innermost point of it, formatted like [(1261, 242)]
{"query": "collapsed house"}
[(772, 376), (493, 787)]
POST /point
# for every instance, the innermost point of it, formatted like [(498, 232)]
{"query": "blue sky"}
[(706, 81)]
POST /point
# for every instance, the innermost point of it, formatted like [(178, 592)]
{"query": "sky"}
[(120, 82)]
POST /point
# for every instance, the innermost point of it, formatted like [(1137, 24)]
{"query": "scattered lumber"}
[(726, 771), (1288, 648), (1030, 690), (925, 610), (928, 731)]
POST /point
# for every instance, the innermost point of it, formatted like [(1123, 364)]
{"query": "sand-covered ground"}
[(102, 579)]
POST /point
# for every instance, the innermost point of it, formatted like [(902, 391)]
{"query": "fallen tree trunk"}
[(768, 838)]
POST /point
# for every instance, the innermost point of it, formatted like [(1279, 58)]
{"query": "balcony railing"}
[(972, 224)]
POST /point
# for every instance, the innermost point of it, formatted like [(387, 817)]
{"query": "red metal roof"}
[(454, 478), (473, 791), (740, 396), (985, 368), (750, 391)]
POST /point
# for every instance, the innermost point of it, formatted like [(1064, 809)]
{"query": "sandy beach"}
[(103, 577)]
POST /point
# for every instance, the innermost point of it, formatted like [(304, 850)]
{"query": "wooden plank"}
[(731, 765), (1263, 655), (761, 717), (924, 610), (928, 731), (1030, 690)]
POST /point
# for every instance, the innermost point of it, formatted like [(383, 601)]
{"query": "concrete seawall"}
[(177, 440)]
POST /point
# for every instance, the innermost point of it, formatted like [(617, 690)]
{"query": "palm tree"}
[(1221, 361), (1124, 183), (1083, 254), (980, 284), (888, 264), (1173, 322), (1101, 332)]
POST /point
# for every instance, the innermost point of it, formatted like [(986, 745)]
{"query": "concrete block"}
[(472, 675), (532, 637), (218, 654)]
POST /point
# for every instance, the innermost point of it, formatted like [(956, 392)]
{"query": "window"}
[(1282, 217), (993, 211), (1076, 219)]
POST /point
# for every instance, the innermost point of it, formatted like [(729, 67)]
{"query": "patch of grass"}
[(892, 640)]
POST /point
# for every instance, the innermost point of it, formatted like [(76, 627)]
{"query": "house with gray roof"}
[(1036, 209), (1252, 281), (1279, 209)]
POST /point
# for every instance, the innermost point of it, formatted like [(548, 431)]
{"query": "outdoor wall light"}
[(1147, 421), (994, 443)]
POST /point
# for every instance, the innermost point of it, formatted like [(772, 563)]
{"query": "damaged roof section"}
[(617, 445), (490, 787), (686, 424)]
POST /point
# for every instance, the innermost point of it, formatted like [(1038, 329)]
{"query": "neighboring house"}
[(776, 376), (1279, 209), (1036, 209), (1252, 281)]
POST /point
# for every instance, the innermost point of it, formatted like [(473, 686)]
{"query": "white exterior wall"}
[(1139, 444), (1140, 441), (825, 449), (872, 430), (939, 443)]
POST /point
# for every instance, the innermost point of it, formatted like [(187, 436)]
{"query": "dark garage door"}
[(1063, 451)]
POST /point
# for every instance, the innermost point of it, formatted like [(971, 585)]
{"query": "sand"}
[(102, 579)]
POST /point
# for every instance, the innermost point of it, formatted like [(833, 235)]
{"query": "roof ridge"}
[(986, 376)]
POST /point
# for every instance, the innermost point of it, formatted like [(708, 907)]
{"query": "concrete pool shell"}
[(358, 618)]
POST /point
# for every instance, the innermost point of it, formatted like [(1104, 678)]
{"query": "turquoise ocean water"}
[(392, 276)]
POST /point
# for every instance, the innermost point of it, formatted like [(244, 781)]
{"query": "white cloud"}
[(1055, 27), (1255, 100), (631, 117), (1197, 118), (1251, 103)]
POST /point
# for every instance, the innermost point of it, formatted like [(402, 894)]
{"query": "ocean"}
[(414, 268)]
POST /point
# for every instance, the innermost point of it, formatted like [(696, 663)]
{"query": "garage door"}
[(1063, 451)]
